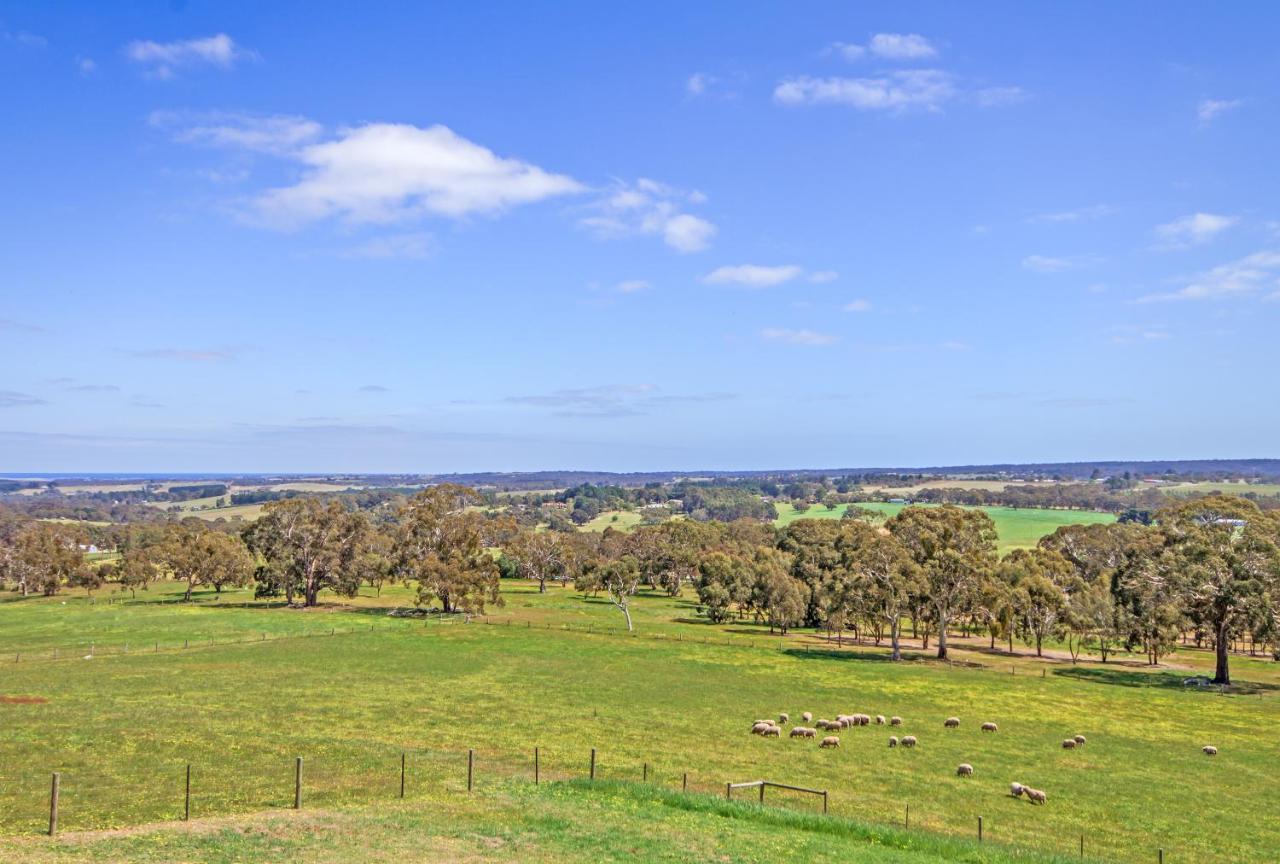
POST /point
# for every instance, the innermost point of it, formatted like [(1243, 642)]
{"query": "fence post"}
[(907, 823), (186, 803), (1161, 856), (824, 802), (53, 804), (762, 794), (979, 829), (1082, 844), (471, 768), (593, 763), (728, 790), (685, 785), (402, 761), (535, 766), (297, 784), (646, 772)]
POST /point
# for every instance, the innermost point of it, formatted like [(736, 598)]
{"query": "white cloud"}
[(822, 277), (808, 338), (848, 50), (412, 245), (1242, 277), (698, 83), (1046, 264), (631, 286), (858, 305), (1080, 214), (900, 90), (753, 275), (383, 173), (649, 207), (279, 134), (86, 65), (1208, 109), (25, 38), (1193, 229), (162, 59), (901, 46)]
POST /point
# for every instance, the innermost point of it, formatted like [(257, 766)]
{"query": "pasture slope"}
[(556, 672)]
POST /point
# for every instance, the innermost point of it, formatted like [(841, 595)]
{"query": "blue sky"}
[(388, 237)]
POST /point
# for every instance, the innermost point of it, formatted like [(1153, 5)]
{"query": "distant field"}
[(622, 520), (121, 729), (1225, 487), (247, 512), (987, 485), (1015, 527)]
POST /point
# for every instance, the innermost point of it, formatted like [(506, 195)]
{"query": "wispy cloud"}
[(1192, 230), (374, 388), (1080, 214), (12, 326), (163, 59), (612, 400), (631, 286), (1129, 334), (1046, 264), (887, 46), (412, 245), (25, 38), (698, 83), (808, 338), (14, 399), (858, 305), (650, 207), (1208, 109), (898, 90), (192, 355), (94, 388), (821, 277), (278, 134), (753, 275), (1247, 276)]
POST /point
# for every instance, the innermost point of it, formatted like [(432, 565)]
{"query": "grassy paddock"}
[(121, 729)]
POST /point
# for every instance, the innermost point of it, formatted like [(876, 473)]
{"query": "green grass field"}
[(622, 520), (679, 695), (1016, 527), (1228, 488)]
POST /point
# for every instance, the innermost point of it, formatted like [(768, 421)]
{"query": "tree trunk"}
[(942, 638), (542, 585), (894, 627), (627, 614), (1222, 674)]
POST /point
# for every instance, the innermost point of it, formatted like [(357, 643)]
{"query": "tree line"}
[(1206, 569)]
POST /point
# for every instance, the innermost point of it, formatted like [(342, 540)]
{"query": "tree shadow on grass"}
[(1162, 681), (849, 654)]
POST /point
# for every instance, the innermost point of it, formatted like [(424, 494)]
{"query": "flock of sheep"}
[(773, 729)]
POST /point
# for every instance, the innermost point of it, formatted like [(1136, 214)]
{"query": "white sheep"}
[(964, 769), (1079, 739), (802, 732), (951, 722), (879, 719), (784, 719), (772, 732), (759, 726), (807, 716), (893, 740), (1035, 796), (1016, 789), (1210, 750), (830, 741), (895, 721), (908, 740), (1068, 743), (990, 727)]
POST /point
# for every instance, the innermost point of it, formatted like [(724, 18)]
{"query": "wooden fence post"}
[(824, 802), (1081, 844), (685, 785), (762, 794), (907, 823), (535, 766), (646, 773), (297, 784), (53, 804), (979, 829), (471, 769), (728, 790), (186, 803), (593, 763), (1161, 856), (402, 766)]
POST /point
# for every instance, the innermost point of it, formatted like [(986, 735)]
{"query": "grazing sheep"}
[(951, 722), (964, 769), (844, 721), (807, 717), (990, 727), (830, 741), (1079, 739), (908, 740), (758, 727), (895, 721), (864, 719), (772, 732), (1210, 750), (784, 719), (1068, 744), (1035, 796), (879, 719), (1016, 789), (802, 732), (893, 740)]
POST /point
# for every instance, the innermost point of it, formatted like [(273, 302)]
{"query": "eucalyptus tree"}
[(309, 545), (445, 547)]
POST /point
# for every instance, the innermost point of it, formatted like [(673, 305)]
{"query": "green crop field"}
[(257, 685), (1016, 527)]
